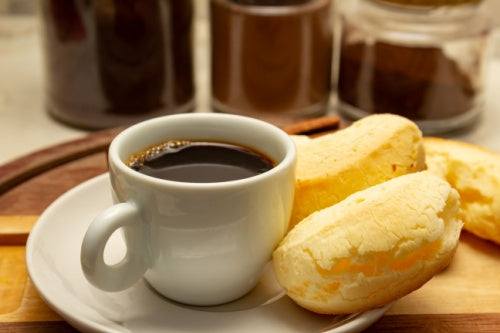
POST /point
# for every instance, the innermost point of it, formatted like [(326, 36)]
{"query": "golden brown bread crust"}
[(475, 173), (370, 151), (371, 248)]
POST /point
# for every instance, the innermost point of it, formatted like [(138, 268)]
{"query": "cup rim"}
[(287, 161)]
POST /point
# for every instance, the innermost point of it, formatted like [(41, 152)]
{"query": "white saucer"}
[(53, 262)]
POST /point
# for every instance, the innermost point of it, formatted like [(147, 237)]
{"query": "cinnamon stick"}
[(314, 127)]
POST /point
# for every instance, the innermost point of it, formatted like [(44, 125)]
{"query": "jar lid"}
[(428, 3)]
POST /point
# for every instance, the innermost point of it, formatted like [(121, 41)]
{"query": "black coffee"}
[(199, 161)]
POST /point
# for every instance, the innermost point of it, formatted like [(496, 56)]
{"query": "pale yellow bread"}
[(475, 173), (370, 151), (372, 248)]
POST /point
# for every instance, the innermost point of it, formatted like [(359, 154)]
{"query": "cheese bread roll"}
[(375, 246), (370, 151), (475, 173)]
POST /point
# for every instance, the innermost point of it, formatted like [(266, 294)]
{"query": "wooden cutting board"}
[(463, 298)]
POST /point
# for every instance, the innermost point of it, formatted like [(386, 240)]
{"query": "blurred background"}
[(26, 126)]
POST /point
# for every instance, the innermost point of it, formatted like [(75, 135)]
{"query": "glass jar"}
[(422, 59), (112, 62), (271, 59)]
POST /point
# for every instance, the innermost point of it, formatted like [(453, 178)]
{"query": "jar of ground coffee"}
[(271, 59), (422, 59), (113, 62)]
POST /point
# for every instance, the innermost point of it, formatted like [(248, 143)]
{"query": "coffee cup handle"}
[(132, 267)]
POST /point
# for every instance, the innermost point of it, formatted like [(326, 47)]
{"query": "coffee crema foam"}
[(136, 160)]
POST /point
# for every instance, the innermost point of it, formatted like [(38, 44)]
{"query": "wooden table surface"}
[(463, 298)]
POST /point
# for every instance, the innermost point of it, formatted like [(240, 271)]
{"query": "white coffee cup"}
[(195, 243)]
